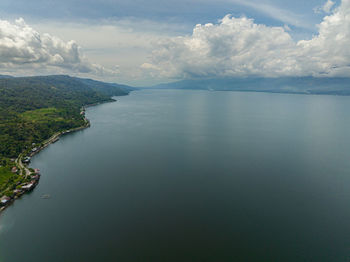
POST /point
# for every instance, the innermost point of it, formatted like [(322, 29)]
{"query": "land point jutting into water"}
[(25, 179), (35, 112)]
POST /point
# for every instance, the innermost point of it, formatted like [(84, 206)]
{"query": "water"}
[(165, 175)]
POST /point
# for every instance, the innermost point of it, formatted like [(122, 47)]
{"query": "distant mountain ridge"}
[(5, 76), (297, 85), (109, 89)]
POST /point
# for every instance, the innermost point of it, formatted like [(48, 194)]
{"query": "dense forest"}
[(22, 100)]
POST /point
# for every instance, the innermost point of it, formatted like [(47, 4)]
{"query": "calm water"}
[(192, 176)]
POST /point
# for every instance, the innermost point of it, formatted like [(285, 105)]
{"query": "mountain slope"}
[(60, 96), (110, 89), (299, 85)]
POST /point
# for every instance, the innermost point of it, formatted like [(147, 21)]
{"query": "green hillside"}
[(32, 109)]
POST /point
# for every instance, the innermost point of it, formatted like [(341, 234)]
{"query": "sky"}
[(148, 42)]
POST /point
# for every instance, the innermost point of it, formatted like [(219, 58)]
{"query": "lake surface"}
[(166, 175)]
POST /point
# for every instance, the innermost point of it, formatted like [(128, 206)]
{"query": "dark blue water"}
[(192, 176)]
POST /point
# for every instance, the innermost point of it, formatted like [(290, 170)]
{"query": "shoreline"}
[(35, 176)]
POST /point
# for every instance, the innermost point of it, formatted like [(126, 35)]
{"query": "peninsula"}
[(35, 112)]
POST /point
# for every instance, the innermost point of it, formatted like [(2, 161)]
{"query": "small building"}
[(14, 169), (26, 160), (4, 200), (36, 177), (37, 171), (18, 191), (28, 186), (34, 149)]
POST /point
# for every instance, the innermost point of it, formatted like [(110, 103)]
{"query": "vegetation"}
[(5, 175), (32, 109)]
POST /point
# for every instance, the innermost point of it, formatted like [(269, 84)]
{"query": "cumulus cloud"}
[(328, 52), (235, 46), (326, 8), (239, 47), (22, 47)]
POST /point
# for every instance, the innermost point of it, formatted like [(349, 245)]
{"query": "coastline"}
[(35, 176)]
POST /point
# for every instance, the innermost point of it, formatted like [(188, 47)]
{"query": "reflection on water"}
[(192, 176)]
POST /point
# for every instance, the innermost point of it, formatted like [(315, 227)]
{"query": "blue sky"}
[(185, 10), (120, 40)]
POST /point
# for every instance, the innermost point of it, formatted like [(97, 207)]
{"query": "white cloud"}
[(287, 28), (328, 52), (234, 47), (326, 8), (23, 48), (239, 47), (230, 48), (149, 66), (127, 42)]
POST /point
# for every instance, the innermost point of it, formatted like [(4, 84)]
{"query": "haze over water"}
[(165, 175)]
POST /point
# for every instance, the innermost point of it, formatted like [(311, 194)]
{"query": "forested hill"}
[(110, 89), (5, 76), (34, 108)]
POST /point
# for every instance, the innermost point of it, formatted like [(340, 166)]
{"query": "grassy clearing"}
[(43, 115), (5, 175)]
